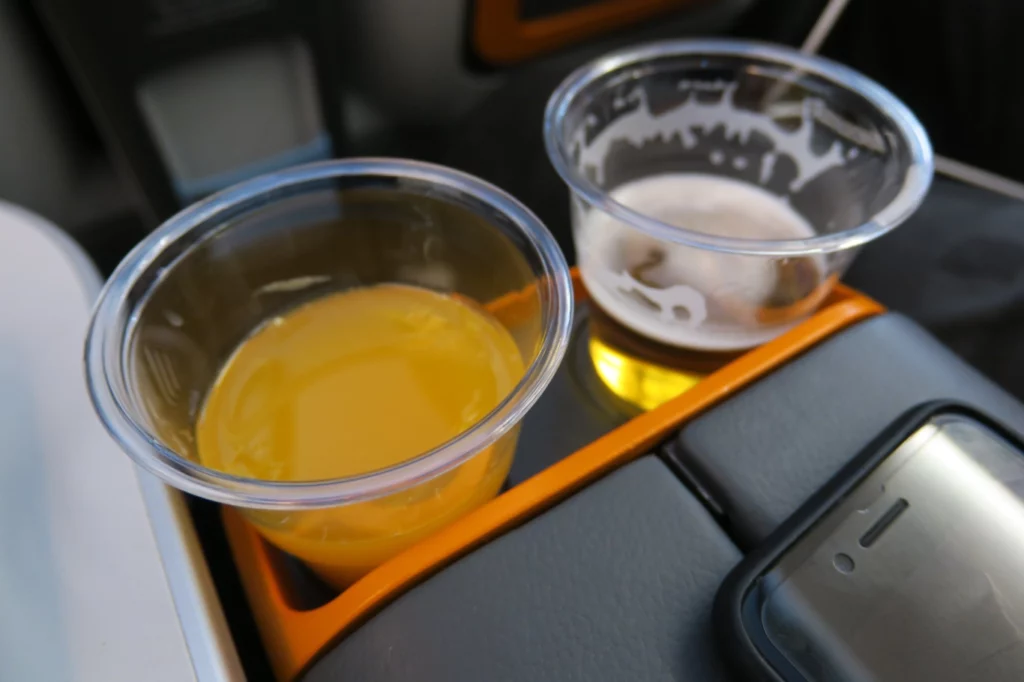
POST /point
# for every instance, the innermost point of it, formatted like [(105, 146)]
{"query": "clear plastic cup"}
[(720, 188), (182, 301)]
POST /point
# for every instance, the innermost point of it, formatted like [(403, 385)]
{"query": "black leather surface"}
[(761, 454), (616, 583)]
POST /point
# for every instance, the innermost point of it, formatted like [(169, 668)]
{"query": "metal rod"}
[(823, 26), (969, 175), (949, 167)]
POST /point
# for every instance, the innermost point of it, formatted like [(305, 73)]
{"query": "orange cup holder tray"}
[(298, 617)]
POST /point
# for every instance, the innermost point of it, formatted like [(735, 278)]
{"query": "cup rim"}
[(105, 348), (916, 183)]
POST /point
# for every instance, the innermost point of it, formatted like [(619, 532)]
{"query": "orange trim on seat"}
[(501, 36), (294, 638)]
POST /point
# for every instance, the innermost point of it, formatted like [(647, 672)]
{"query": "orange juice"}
[(353, 383)]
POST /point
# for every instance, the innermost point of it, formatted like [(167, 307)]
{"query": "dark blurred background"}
[(114, 114)]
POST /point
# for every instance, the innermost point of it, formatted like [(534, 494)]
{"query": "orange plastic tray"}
[(294, 638)]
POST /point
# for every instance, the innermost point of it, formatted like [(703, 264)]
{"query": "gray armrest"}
[(615, 583), (764, 452)]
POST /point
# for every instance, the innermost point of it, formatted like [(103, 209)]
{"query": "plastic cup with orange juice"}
[(344, 351)]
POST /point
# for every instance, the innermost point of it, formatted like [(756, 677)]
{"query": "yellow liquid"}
[(643, 384), (353, 383), (644, 373)]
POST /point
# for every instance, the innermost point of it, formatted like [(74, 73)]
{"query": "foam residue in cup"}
[(686, 296), (640, 125), (681, 295)]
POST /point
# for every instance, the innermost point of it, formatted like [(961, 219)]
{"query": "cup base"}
[(642, 372), (342, 544)]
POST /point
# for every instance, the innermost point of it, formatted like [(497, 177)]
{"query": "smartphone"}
[(908, 566)]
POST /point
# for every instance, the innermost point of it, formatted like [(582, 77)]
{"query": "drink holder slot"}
[(294, 636)]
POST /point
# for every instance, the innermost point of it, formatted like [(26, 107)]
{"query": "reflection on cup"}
[(719, 190), (329, 349)]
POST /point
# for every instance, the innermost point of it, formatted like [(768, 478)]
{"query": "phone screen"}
[(918, 574)]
